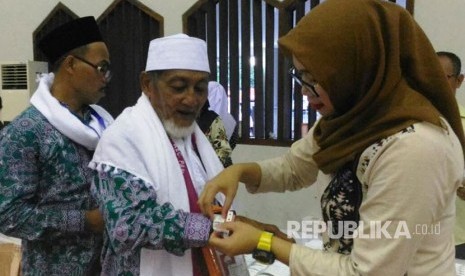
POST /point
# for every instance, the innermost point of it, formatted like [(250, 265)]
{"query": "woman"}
[(390, 137)]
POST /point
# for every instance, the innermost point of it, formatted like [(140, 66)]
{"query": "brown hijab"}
[(380, 72)]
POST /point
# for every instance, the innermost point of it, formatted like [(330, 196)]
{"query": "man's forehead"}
[(445, 61), (190, 75)]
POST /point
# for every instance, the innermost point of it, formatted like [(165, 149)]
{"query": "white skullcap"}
[(178, 51)]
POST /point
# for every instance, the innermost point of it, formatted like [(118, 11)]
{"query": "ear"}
[(459, 80), (68, 64), (145, 81)]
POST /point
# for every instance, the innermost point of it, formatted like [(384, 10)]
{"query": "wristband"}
[(264, 243)]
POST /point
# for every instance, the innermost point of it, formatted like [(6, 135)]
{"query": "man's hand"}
[(94, 221)]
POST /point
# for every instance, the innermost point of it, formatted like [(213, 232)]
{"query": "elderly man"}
[(153, 162), (44, 153)]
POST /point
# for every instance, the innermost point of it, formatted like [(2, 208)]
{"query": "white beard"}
[(177, 132)]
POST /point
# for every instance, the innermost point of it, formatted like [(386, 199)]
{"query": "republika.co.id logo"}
[(364, 230)]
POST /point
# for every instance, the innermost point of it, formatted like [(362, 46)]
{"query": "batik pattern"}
[(44, 192), (216, 135), (342, 198), (340, 203), (134, 220)]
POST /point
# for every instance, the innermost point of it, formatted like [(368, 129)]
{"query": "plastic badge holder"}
[(219, 220), (218, 263)]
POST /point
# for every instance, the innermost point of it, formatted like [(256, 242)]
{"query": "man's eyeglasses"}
[(297, 76), (103, 68)]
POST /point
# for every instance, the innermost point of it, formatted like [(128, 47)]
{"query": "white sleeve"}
[(292, 171), (410, 182)]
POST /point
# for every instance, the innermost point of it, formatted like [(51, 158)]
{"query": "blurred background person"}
[(213, 127), (452, 69), (219, 103)]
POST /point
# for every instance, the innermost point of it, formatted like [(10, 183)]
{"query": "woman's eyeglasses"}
[(297, 76)]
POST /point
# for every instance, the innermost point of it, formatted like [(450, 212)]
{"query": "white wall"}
[(19, 19), (442, 21)]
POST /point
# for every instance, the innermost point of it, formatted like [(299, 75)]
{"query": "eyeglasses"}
[(451, 76), (103, 68), (297, 76)]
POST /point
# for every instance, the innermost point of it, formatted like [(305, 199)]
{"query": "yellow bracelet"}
[(264, 243)]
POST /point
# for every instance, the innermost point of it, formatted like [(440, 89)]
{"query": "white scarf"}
[(137, 143), (65, 121)]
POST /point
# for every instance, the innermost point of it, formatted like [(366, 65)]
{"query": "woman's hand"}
[(225, 182), (243, 238), (265, 227)]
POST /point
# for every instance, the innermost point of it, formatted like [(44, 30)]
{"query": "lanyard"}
[(191, 193), (100, 120), (198, 261)]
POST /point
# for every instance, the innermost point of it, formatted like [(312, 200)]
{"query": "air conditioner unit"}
[(17, 84)]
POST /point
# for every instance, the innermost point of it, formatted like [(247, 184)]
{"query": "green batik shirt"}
[(134, 220), (44, 193)]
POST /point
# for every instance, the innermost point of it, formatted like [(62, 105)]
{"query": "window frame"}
[(259, 122)]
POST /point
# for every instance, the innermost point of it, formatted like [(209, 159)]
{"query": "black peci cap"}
[(69, 36)]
